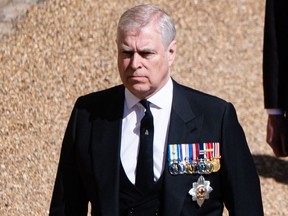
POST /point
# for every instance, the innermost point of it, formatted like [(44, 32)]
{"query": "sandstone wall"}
[(61, 49)]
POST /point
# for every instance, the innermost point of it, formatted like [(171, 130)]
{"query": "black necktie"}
[(144, 170)]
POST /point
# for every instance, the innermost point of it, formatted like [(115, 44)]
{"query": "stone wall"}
[(57, 50)]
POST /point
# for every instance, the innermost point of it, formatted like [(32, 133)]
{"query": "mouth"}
[(135, 80), (137, 77)]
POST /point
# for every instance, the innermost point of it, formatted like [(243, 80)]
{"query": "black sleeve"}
[(241, 186), (69, 195)]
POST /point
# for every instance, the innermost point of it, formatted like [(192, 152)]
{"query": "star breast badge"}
[(200, 190)]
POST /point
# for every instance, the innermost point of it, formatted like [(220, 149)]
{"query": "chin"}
[(140, 91)]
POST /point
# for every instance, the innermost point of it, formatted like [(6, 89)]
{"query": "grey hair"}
[(142, 15)]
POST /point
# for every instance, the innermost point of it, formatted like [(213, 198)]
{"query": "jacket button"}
[(131, 211), (156, 212)]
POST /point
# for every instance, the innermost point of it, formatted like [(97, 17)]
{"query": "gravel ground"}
[(61, 49)]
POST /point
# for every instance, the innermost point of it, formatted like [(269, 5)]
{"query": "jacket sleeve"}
[(242, 194), (69, 195), (270, 58)]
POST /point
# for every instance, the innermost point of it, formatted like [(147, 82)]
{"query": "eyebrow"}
[(127, 49)]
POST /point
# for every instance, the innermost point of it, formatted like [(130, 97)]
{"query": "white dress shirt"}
[(160, 107)]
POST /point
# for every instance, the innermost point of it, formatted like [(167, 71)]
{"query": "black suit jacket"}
[(275, 55), (90, 157)]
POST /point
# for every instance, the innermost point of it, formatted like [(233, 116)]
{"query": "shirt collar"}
[(157, 99)]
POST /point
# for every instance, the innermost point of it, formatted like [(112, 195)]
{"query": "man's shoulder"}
[(101, 97), (197, 96), (103, 93), (203, 103)]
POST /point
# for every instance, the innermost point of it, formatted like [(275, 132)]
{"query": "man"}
[(275, 75), (191, 142)]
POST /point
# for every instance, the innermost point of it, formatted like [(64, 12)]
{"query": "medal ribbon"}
[(193, 152), (216, 152)]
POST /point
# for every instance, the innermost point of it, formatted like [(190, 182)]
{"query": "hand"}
[(277, 135)]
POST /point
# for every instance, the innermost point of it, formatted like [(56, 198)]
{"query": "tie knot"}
[(146, 104)]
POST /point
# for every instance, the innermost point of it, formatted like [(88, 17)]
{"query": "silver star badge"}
[(200, 190)]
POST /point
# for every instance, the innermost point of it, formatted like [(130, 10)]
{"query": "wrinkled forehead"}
[(136, 30), (140, 37), (135, 27)]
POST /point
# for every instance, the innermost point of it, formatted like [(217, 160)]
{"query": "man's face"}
[(143, 61)]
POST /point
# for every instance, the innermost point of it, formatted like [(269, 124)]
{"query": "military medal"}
[(174, 169), (215, 159), (200, 190), (194, 158), (216, 164)]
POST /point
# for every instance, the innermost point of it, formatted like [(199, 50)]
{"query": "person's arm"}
[(242, 194), (68, 196), (276, 133)]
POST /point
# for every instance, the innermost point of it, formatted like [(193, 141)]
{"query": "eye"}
[(127, 53), (146, 54)]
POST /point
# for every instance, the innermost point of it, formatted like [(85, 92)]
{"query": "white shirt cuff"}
[(275, 111)]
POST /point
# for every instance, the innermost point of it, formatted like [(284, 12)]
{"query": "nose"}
[(136, 61)]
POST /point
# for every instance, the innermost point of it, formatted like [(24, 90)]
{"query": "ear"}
[(171, 51)]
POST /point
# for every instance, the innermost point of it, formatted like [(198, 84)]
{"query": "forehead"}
[(145, 36)]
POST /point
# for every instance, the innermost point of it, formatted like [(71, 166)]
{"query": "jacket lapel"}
[(185, 127)]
